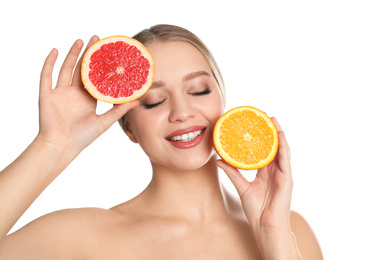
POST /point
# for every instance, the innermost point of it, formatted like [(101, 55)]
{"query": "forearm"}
[(278, 245), (25, 179)]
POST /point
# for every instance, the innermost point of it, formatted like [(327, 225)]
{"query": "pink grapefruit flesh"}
[(117, 69)]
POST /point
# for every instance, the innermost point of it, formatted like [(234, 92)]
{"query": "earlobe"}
[(129, 132), (131, 136)]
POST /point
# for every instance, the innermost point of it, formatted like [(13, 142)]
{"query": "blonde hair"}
[(166, 32)]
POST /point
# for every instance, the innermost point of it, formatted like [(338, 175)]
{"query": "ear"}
[(129, 132)]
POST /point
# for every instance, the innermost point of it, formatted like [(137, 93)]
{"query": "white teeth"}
[(186, 137)]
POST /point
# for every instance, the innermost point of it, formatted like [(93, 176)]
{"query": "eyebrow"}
[(195, 74), (190, 76)]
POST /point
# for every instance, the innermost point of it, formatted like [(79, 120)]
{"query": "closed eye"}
[(149, 106), (205, 92)]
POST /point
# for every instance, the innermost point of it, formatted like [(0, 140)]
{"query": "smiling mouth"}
[(186, 137)]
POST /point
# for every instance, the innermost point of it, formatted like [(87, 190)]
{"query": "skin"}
[(185, 212)]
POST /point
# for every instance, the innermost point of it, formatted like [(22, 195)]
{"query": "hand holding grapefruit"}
[(67, 113)]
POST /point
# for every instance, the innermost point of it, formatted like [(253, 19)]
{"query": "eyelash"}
[(205, 92), (149, 106)]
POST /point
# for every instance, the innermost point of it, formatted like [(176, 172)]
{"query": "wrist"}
[(278, 244), (53, 155), (54, 148)]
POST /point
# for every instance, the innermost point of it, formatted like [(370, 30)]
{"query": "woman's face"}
[(175, 121)]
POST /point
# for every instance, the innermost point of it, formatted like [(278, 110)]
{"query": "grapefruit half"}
[(117, 69)]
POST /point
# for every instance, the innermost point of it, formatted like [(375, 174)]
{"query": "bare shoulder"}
[(59, 235), (307, 242)]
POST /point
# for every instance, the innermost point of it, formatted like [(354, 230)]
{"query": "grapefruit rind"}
[(89, 86), (233, 162)]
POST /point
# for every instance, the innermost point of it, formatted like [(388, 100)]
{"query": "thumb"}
[(115, 113), (235, 176)]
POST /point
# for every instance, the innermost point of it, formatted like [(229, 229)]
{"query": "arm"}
[(24, 180), (67, 124), (266, 202)]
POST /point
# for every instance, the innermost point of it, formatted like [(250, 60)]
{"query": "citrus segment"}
[(246, 138), (117, 69)]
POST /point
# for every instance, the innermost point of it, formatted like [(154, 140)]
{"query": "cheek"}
[(213, 108), (145, 127)]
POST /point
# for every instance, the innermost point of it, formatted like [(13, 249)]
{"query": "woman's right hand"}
[(67, 113)]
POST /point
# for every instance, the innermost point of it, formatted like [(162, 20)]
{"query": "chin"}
[(190, 164)]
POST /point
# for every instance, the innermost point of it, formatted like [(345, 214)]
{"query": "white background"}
[(321, 67)]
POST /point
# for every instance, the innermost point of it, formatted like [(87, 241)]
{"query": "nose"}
[(181, 109)]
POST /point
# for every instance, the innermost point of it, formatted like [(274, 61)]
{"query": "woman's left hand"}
[(266, 200)]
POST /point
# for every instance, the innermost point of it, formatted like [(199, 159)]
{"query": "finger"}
[(279, 128), (76, 81), (66, 71), (276, 123), (47, 71), (115, 113), (235, 176), (284, 154)]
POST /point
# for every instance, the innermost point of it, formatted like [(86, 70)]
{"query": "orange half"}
[(246, 138)]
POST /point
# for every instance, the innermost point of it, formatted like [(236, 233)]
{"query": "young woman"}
[(185, 212)]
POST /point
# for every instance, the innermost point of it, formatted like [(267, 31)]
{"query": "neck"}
[(197, 195)]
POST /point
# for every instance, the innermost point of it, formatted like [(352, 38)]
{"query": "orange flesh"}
[(246, 140)]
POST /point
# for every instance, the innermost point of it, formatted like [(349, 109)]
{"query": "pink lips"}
[(189, 144)]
